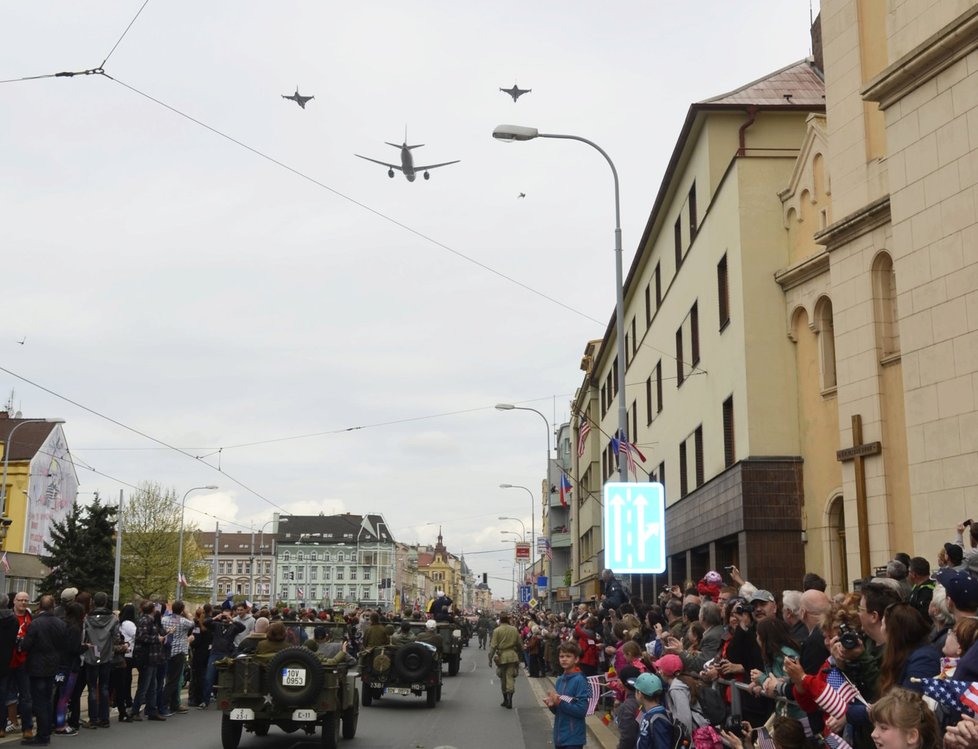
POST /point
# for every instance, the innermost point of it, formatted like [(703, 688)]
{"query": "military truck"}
[(293, 689), (412, 668), (451, 637)]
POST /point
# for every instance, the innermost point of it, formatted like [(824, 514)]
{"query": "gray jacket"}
[(100, 633)]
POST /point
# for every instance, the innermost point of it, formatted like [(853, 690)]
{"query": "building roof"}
[(332, 529), (796, 84), (235, 543), (29, 437)]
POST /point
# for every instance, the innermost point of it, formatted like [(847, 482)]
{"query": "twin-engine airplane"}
[(407, 165)]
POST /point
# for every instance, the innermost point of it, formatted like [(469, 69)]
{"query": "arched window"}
[(325, 556), (286, 557), (300, 556), (885, 304), (825, 331)]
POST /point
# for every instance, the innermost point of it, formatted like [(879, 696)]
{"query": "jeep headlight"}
[(457, 634)]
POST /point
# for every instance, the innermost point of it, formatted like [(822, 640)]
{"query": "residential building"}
[(339, 561), (555, 549), (242, 566), (710, 387)]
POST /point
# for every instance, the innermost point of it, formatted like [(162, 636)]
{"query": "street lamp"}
[(6, 457), (533, 504), (522, 525), (518, 132), (261, 558), (183, 506)]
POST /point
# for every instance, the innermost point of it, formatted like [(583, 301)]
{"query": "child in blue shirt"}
[(655, 726), (570, 700)]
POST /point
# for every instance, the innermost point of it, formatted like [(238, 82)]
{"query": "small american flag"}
[(835, 741), (592, 703), (583, 432), (837, 694), (946, 692), (5, 563), (970, 697), (764, 740), (300, 592), (622, 446)]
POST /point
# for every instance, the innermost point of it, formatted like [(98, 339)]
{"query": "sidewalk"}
[(599, 735)]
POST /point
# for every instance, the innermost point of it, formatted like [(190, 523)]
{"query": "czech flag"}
[(565, 488)]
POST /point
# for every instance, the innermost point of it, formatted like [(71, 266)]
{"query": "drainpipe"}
[(742, 133)]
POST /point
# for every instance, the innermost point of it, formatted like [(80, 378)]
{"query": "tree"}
[(80, 552), (150, 542)]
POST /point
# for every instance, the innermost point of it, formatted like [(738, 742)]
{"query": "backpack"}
[(680, 734), (710, 705)]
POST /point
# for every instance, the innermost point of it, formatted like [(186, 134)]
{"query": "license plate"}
[(242, 713), (399, 691), (377, 685), (293, 677), (304, 715)]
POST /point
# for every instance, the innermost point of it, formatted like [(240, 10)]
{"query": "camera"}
[(744, 607), (848, 637), (733, 725)]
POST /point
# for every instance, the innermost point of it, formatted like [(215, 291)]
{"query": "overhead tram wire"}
[(144, 435), (119, 40)]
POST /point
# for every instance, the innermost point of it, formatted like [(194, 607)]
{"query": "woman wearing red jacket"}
[(586, 632)]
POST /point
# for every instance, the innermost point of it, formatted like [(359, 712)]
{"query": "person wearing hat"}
[(655, 726), (627, 716), (764, 604), (962, 598), (952, 555), (506, 651), (430, 635), (679, 694), (441, 607)]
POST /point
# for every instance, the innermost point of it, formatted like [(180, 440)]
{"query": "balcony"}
[(560, 540)]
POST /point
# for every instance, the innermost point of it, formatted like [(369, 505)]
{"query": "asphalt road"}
[(469, 716)]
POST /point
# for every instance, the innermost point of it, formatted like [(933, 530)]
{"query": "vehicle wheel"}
[(453, 664), (412, 662), (431, 697), (261, 727), (331, 730), (300, 658), (350, 717), (366, 696), (230, 732)]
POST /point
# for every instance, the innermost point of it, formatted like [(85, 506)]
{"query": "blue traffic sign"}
[(526, 593), (634, 527)]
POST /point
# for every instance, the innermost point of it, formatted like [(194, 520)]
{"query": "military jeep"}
[(451, 638), (412, 668), (293, 689)]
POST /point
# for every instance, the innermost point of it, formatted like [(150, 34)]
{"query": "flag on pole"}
[(837, 694), (300, 592), (970, 697), (183, 580), (835, 741), (565, 489), (622, 446), (583, 430), (595, 683), (5, 563), (946, 692)]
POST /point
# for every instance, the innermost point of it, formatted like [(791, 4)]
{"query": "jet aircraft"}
[(298, 98), (516, 92), (407, 165)]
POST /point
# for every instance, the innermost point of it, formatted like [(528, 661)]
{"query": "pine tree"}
[(80, 553)]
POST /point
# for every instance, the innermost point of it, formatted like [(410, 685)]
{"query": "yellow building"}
[(710, 387)]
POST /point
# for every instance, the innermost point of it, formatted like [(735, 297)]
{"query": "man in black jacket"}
[(43, 643), (614, 592)]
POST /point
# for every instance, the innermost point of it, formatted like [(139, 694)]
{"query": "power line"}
[(119, 40), (142, 434)]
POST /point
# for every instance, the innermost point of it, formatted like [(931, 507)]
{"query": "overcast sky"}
[(188, 288)]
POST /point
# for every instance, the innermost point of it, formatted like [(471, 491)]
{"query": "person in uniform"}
[(483, 628), (430, 635), (376, 634), (441, 607), (506, 651), (403, 636)]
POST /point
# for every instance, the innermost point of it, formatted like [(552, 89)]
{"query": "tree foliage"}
[(150, 543), (81, 552)]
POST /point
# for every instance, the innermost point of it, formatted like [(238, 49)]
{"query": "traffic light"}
[(485, 578)]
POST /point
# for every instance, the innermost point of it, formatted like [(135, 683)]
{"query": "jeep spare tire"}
[(412, 662), (295, 677)]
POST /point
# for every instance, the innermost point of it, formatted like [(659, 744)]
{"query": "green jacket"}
[(506, 644)]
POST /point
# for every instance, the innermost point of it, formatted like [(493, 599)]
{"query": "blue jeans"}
[(20, 681), (145, 689), (211, 677), (41, 689), (98, 691)]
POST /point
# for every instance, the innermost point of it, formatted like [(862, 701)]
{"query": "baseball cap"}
[(431, 624), (68, 594), (648, 684), (628, 675), (669, 665), (961, 588), (762, 595), (955, 553)]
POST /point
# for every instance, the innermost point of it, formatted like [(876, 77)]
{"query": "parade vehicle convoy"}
[(293, 689), (411, 668)]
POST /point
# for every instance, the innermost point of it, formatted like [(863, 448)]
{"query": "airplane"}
[(298, 99), (407, 161), (521, 195), (516, 92)]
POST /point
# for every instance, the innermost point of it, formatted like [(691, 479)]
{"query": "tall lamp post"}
[(261, 556), (518, 132), (533, 508), (183, 506)]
